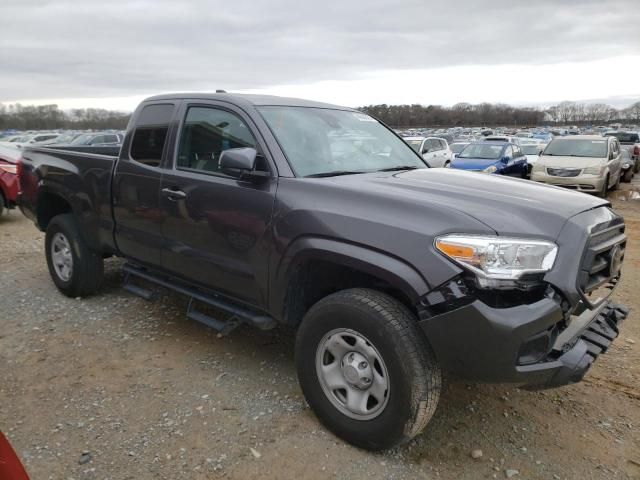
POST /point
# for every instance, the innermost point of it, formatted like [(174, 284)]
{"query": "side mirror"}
[(241, 163)]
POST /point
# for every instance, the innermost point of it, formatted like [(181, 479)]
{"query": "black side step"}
[(238, 314)]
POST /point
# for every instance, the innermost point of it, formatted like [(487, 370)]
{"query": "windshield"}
[(457, 147), (530, 149), (479, 150), (319, 141), (82, 139), (577, 147)]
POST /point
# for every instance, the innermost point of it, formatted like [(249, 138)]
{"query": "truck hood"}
[(509, 206)]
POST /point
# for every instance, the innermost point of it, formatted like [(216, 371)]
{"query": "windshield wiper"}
[(397, 169), (335, 173)]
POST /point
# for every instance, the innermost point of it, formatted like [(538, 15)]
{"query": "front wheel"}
[(74, 268), (366, 368), (616, 185), (605, 187)]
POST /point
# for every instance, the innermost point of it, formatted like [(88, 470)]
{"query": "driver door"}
[(216, 226)]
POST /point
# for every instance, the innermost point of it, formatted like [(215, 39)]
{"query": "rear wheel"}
[(628, 175), (636, 167), (2, 204), (366, 368), (74, 268)]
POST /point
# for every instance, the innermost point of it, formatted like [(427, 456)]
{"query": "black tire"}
[(413, 371), (628, 175), (636, 167), (87, 268), (605, 188), (2, 204)]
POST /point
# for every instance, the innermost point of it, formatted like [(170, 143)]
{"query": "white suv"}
[(434, 150)]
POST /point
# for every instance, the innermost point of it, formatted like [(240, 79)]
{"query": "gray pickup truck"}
[(284, 211)]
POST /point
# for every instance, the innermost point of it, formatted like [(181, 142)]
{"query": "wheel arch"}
[(313, 268)]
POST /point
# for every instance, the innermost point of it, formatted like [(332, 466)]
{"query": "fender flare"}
[(378, 264)]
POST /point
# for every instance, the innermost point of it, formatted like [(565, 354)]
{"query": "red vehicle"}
[(9, 158), (10, 466)]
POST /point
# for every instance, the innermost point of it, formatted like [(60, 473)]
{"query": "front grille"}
[(600, 269), (564, 172)]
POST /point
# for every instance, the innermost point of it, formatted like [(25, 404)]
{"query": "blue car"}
[(492, 157)]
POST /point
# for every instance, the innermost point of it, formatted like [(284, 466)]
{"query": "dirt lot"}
[(115, 387)]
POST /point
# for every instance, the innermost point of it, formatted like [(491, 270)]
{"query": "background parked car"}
[(501, 158), (532, 151), (8, 177), (502, 138), (587, 163), (434, 150), (97, 139), (630, 141), (457, 147)]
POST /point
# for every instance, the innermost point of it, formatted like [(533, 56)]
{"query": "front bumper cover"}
[(486, 344)]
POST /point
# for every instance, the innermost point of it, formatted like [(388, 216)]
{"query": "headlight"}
[(593, 170), (498, 258), (490, 169)]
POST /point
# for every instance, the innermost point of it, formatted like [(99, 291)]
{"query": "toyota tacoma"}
[(277, 210)]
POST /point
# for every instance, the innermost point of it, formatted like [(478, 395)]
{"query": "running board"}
[(237, 313)]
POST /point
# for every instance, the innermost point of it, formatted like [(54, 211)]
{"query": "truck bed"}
[(85, 178)]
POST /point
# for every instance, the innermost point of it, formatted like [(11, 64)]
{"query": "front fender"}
[(390, 269)]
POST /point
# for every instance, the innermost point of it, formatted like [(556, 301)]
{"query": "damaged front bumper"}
[(532, 344)]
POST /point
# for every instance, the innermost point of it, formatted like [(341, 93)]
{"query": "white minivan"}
[(587, 163)]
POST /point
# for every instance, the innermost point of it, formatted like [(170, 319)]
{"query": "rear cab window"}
[(150, 135)]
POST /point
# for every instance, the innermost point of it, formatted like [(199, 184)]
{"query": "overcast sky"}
[(111, 54)]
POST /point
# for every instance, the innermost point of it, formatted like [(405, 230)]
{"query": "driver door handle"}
[(174, 194)]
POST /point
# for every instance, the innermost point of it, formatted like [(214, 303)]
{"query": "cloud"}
[(89, 48)]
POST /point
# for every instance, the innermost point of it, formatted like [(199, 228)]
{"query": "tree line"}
[(51, 117), (490, 114)]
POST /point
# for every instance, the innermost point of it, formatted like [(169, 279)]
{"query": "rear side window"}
[(149, 138)]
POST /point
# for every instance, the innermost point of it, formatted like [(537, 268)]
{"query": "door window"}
[(206, 133), (516, 151), (434, 145), (508, 152)]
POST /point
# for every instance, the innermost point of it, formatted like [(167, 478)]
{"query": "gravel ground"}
[(115, 387)]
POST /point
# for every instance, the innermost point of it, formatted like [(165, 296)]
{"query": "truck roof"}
[(251, 99)]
